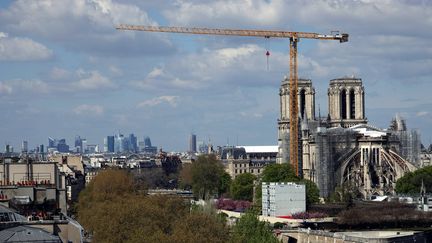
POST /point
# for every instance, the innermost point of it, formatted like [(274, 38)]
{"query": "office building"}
[(192, 143), (109, 144)]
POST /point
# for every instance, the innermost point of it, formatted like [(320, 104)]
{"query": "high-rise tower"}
[(192, 143)]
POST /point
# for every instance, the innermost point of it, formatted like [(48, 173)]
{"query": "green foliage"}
[(113, 211), (345, 193), (249, 229), (312, 192), (225, 183), (411, 182), (242, 187), (185, 178), (200, 227), (279, 225), (279, 173), (206, 176)]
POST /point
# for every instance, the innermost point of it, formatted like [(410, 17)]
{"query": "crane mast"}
[(293, 66)]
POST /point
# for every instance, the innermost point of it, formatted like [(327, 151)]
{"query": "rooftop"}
[(260, 149)]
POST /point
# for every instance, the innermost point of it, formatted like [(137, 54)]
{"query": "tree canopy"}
[(251, 230), (242, 187), (411, 182), (114, 211), (278, 173), (206, 173)]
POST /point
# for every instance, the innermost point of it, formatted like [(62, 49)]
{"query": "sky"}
[(66, 71)]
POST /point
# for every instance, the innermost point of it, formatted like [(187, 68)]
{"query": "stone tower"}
[(306, 106), (346, 102)]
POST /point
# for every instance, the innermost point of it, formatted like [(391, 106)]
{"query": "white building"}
[(282, 199)]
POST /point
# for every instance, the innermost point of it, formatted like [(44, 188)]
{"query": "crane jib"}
[(235, 32)]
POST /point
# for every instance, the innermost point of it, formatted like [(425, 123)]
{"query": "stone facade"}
[(342, 148), (346, 102)]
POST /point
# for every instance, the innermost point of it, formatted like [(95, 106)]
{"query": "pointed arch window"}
[(352, 104), (302, 99), (343, 104)]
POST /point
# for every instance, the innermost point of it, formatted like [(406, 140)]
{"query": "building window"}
[(352, 104), (302, 99), (343, 104), (236, 171)]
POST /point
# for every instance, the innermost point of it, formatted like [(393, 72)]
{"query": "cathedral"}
[(341, 148)]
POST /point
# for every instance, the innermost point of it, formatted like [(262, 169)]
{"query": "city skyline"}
[(66, 71)]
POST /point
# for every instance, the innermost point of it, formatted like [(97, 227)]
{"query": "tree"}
[(312, 191), (345, 193), (278, 173), (250, 229), (185, 178), (412, 181), (242, 187), (200, 227), (206, 176), (225, 183), (112, 210)]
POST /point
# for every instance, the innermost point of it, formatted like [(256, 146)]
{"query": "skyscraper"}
[(109, 144), (133, 143), (78, 144), (147, 142), (119, 143), (24, 147), (58, 144), (62, 147), (192, 143)]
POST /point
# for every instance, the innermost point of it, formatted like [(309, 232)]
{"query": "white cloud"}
[(85, 109), (59, 73), (224, 12), (115, 70), (22, 85), (22, 49), (92, 80), (84, 25), (5, 88), (422, 113), (170, 100), (157, 78), (218, 69)]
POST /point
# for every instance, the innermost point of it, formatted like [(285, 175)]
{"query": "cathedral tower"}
[(346, 102), (306, 106)]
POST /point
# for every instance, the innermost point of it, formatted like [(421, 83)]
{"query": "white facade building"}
[(282, 199)]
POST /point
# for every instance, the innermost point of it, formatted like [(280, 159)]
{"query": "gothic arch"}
[(302, 102), (343, 104), (372, 177), (352, 104)]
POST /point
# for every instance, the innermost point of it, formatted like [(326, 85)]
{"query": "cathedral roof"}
[(368, 130)]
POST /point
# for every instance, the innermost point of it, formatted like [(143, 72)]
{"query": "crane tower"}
[(293, 67)]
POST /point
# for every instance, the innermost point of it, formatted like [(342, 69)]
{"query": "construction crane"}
[(293, 67)]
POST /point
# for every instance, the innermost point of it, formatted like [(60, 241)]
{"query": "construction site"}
[(339, 148)]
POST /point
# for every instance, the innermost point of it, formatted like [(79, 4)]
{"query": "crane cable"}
[(267, 51)]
